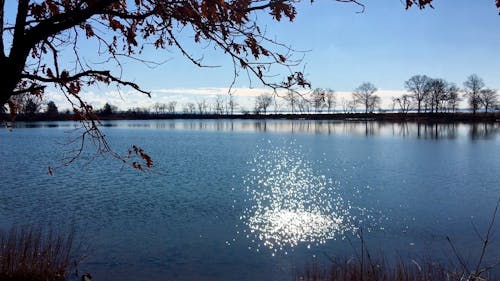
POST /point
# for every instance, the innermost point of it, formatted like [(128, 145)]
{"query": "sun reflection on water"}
[(289, 203)]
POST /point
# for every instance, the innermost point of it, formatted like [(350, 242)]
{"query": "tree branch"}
[(121, 15), (19, 49), (54, 56), (22, 13), (486, 238), (63, 21), (2, 11), (31, 89), (103, 75), (355, 2)]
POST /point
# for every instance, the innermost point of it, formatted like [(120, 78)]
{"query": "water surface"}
[(250, 200)]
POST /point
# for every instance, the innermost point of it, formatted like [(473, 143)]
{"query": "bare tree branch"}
[(486, 238), (102, 75)]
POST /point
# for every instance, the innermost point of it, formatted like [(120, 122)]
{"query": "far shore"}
[(462, 117)]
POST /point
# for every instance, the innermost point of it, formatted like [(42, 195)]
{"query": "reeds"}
[(378, 270), (33, 254), (365, 268)]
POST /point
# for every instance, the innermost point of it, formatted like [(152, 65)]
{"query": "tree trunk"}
[(9, 80)]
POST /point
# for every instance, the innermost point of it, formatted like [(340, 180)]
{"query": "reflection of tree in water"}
[(427, 130), (484, 131), (370, 128), (260, 126), (451, 130), (437, 131), (404, 130)]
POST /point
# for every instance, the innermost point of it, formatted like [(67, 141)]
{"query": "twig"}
[(486, 239), (459, 257)]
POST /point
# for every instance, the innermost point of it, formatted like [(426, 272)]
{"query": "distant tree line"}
[(437, 95), (423, 95)]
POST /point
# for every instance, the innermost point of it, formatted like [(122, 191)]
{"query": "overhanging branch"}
[(101, 75), (33, 88)]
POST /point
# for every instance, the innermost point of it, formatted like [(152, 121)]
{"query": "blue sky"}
[(385, 45)]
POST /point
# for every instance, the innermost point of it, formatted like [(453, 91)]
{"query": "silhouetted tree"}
[(26, 104), (219, 105), (163, 108), (137, 110), (473, 86), (190, 108), (488, 98), (344, 103), (393, 104), (31, 105), (108, 109), (318, 99), (418, 86), (452, 97), (51, 110), (437, 93), (365, 96), (202, 107), (231, 104), (375, 103), (404, 103), (292, 97), (349, 106), (303, 105), (171, 105), (262, 102), (157, 108), (330, 99)]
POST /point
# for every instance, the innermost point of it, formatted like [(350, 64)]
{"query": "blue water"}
[(407, 186)]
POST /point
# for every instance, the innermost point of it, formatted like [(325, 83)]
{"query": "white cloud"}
[(245, 97), (240, 92)]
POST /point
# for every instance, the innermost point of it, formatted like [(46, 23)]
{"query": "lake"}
[(255, 200)]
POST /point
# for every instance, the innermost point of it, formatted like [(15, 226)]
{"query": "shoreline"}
[(493, 117)]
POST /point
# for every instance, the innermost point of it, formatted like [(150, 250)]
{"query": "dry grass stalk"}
[(364, 268), (32, 254)]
